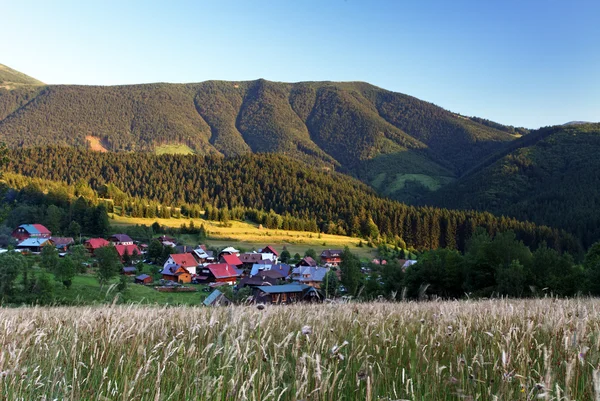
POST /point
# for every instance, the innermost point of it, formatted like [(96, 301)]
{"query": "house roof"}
[(33, 242), (163, 238), (281, 268), (121, 238), (142, 277), (269, 249), (251, 257), (231, 260), (308, 261), (256, 281), (230, 249), (130, 269), (314, 273), (273, 273), (184, 249), (34, 229), (331, 253), (62, 241), (184, 259), (130, 249), (278, 289), (169, 270), (212, 297), (223, 270), (96, 243)]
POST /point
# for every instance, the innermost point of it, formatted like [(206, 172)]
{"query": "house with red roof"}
[(95, 243), (271, 250), (232, 260), (25, 231), (219, 273), (185, 260), (307, 261), (131, 250)]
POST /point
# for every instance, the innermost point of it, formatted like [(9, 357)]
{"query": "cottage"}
[(165, 240), (249, 259), (62, 243), (216, 298), (34, 245), (229, 251), (331, 257), (307, 261), (202, 255), (186, 260), (286, 294), (271, 252), (25, 231), (281, 268), (120, 239), (132, 250), (219, 273), (94, 244), (176, 273), (257, 281), (309, 275), (143, 279)]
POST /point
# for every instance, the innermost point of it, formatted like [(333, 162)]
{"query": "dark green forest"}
[(550, 177), (334, 202)]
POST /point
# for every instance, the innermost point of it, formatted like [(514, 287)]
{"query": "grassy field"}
[(487, 350), (249, 236), (86, 290), (173, 149)]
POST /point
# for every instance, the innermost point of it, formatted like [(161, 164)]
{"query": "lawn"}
[(86, 290), (440, 351), (249, 236)]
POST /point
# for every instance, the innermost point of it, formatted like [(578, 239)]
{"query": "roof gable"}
[(184, 259), (232, 260), (222, 270)]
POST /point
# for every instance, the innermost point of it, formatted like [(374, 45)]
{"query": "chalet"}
[(286, 294), (25, 231), (216, 298), (281, 268), (307, 261), (229, 251), (94, 244), (34, 245), (129, 271), (176, 274), (62, 243), (143, 279), (219, 273), (131, 250), (308, 275), (185, 260), (231, 260), (249, 259), (269, 250), (120, 239), (331, 257)]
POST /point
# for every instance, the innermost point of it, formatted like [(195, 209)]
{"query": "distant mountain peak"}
[(11, 79), (577, 123)]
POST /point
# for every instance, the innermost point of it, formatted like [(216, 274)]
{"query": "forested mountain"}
[(334, 202), (550, 176), (388, 140)]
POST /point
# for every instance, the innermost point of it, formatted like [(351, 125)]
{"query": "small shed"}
[(217, 298), (129, 270), (143, 279)]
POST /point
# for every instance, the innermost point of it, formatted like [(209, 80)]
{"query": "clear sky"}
[(520, 62)]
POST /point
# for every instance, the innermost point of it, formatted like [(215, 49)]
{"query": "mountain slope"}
[(550, 176), (310, 197), (10, 78), (340, 125)]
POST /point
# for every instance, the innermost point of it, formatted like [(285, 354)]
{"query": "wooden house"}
[(307, 261), (331, 257), (186, 260), (25, 231), (132, 250), (219, 273), (129, 270), (176, 274), (286, 294), (309, 275), (217, 298), (34, 245), (62, 243), (95, 243), (231, 260)]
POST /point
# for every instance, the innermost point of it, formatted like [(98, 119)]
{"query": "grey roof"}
[(33, 242), (129, 269), (214, 297), (142, 277), (280, 267), (314, 273), (277, 289), (169, 269)]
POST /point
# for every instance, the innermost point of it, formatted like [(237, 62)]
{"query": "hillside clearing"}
[(95, 144), (499, 349), (249, 235), (173, 149)]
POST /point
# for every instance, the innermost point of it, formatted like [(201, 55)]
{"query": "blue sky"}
[(525, 63)]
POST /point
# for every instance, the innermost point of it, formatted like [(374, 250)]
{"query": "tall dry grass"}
[(489, 350)]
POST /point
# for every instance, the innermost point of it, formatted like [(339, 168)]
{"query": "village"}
[(262, 276)]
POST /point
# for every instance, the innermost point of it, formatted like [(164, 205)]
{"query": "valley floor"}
[(486, 350)]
